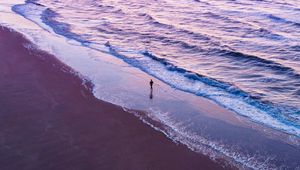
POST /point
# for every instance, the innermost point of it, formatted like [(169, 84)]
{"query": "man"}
[(151, 87)]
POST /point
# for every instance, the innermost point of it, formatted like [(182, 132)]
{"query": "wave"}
[(260, 62), (264, 33), (282, 20), (295, 48), (230, 88), (225, 51), (48, 17), (224, 94), (34, 2), (221, 17), (175, 131), (194, 35)]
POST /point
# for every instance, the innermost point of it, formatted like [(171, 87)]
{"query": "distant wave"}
[(282, 20), (195, 48), (172, 27), (264, 33), (60, 28), (48, 17), (296, 48), (260, 62), (205, 38), (221, 17)]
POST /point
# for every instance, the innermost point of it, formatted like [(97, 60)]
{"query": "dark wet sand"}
[(49, 120)]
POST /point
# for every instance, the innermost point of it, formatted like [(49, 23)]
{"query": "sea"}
[(243, 55)]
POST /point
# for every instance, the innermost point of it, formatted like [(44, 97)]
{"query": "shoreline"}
[(221, 135), (50, 120), (245, 139), (215, 132)]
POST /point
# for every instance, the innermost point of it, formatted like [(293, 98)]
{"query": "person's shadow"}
[(151, 93)]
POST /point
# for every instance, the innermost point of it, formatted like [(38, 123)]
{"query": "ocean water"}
[(243, 55)]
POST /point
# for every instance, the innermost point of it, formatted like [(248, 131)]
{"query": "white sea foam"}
[(230, 101), (179, 133)]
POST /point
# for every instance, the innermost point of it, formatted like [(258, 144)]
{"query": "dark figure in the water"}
[(151, 84), (107, 44)]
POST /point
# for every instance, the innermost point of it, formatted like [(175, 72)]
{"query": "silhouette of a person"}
[(151, 89), (151, 84)]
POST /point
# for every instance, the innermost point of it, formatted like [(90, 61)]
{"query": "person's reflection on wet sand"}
[(151, 93)]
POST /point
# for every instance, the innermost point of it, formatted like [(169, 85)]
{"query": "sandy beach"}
[(50, 120)]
